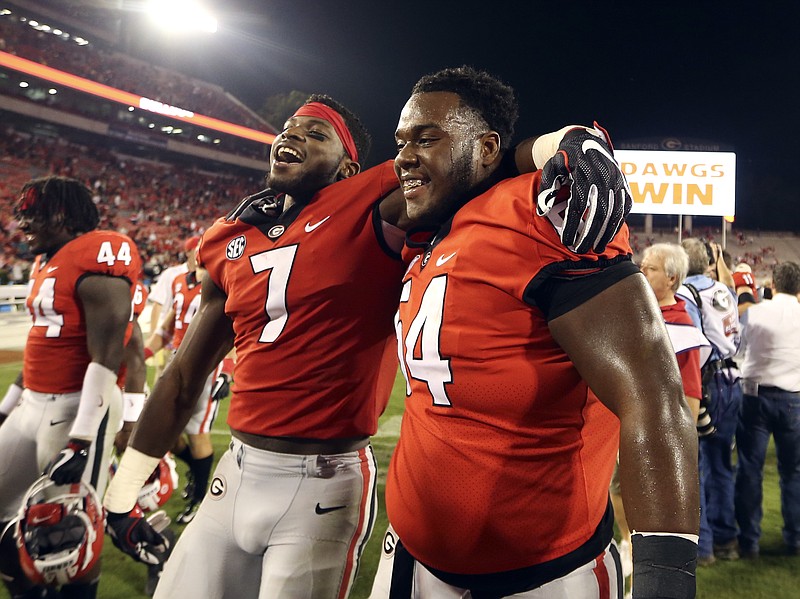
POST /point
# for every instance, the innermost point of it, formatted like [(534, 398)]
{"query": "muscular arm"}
[(694, 406), (11, 398), (135, 379), (157, 340), (106, 303), (155, 316), (136, 376), (628, 362), (208, 339), (393, 210)]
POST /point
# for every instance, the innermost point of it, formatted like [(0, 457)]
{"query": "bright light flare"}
[(182, 15)]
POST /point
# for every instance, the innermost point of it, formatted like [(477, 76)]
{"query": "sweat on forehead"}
[(441, 109)]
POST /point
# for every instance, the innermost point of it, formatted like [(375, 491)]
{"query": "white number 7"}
[(279, 261)]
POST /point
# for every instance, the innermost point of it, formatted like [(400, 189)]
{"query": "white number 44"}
[(106, 254)]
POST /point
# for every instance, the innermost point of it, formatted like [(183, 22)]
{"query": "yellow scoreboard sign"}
[(698, 183)]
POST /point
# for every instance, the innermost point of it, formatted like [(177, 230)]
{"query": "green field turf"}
[(774, 576)]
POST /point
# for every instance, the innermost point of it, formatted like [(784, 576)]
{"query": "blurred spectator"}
[(771, 371), (712, 306), (158, 204)]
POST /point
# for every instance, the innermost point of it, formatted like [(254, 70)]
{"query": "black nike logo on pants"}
[(324, 510)]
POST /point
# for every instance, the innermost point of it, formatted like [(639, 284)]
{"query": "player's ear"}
[(490, 148), (347, 168)]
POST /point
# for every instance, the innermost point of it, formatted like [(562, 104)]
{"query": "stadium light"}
[(181, 15)]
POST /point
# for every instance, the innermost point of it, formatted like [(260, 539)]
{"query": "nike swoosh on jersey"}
[(52, 268), (442, 259), (57, 422), (324, 510), (591, 144), (310, 227)]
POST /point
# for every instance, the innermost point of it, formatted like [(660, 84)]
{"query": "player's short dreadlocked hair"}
[(492, 99), (361, 136), (47, 197)]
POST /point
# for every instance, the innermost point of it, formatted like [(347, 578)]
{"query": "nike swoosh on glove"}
[(139, 538), (583, 191), (68, 465)]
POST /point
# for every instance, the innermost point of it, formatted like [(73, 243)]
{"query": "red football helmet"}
[(59, 532), (159, 487)]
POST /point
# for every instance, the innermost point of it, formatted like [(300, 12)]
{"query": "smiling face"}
[(44, 236), (307, 156), (443, 151)]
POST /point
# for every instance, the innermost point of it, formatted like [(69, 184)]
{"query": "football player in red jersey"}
[(303, 278), (499, 483), (293, 499), (82, 285)]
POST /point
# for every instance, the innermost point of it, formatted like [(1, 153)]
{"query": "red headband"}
[(28, 199), (326, 113)]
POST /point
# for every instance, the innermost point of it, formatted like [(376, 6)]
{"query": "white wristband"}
[(132, 405), (99, 383), (11, 399), (134, 469), (546, 146)]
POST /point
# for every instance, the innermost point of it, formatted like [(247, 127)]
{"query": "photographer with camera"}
[(713, 307)]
